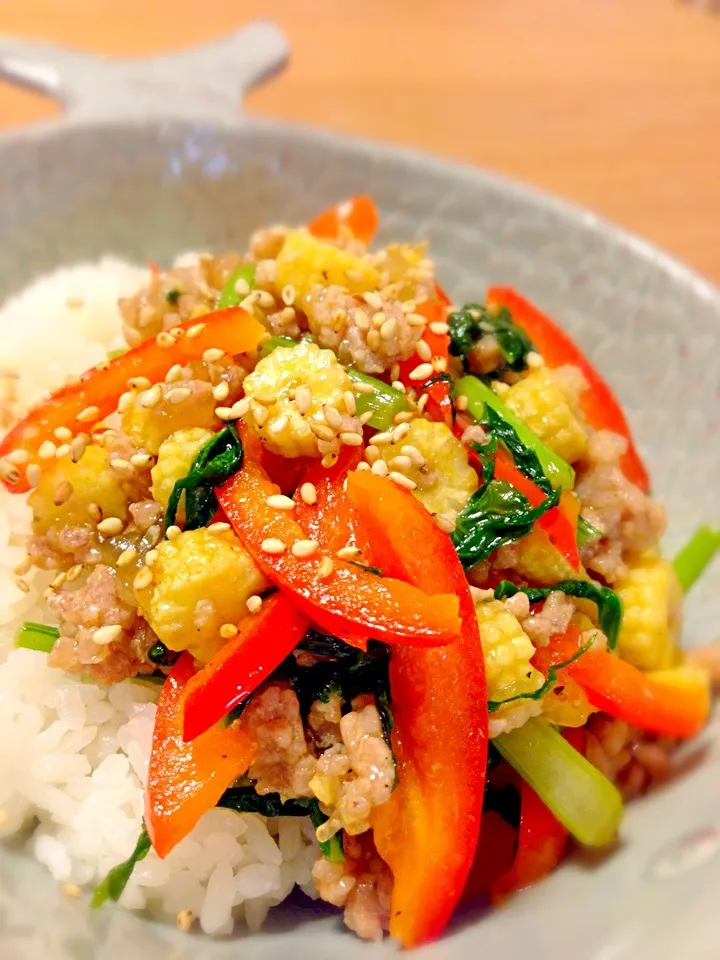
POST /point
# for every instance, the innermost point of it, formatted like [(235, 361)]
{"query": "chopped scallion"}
[(37, 636), (697, 553)]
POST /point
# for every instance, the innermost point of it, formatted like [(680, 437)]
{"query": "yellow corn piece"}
[(538, 561), (305, 261), (538, 400), (507, 650), (651, 599)]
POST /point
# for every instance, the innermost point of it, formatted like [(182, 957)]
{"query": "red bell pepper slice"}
[(332, 519), (263, 641), (350, 603), (187, 779), (621, 690), (99, 389), (358, 213), (598, 403), (428, 830), (439, 402)]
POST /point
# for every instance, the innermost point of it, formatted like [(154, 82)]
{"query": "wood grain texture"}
[(612, 103)]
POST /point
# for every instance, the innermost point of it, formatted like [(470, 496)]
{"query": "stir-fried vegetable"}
[(474, 321), (342, 599), (358, 214), (237, 285), (695, 556), (37, 636), (187, 779), (598, 403), (96, 394), (581, 798), (440, 736), (112, 886), (438, 387)]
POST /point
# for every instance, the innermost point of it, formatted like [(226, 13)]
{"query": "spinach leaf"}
[(216, 462), (246, 800), (172, 297), (526, 460), (550, 681), (486, 455), (470, 323), (161, 656), (586, 532), (112, 886), (496, 514), (610, 611)]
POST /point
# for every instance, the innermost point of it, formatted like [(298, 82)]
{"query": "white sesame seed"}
[(332, 416), (221, 391), (125, 401), (380, 439), (260, 414), (23, 567), (219, 526), (153, 533), (362, 466), (224, 413), (379, 319), (304, 548), (62, 493), (110, 527), (241, 287), (422, 402), (350, 405), (422, 372), (33, 474), (88, 414), (195, 330), (77, 448), (415, 320), (400, 463), (143, 578), (380, 468), (174, 373), (273, 545), (413, 453), (351, 439), (278, 424), (140, 460), (254, 603), (58, 581), (437, 326), (303, 398), (373, 339), (62, 451), (173, 532), (94, 512), (329, 459), (461, 403), (126, 557), (185, 920), (308, 493), (366, 417), (279, 501), (500, 388), (372, 453), (373, 300), (213, 354), (400, 432), (360, 387), (266, 397), (71, 890), (47, 450), (165, 339), (405, 416), (401, 480), (139, 383), (240, 407), (123, 467), (151, 397), (325, 568), (348, 553), (62, 434), (288, 295), (18, 457), (105, 635), (22, 585), (423, 350), (265, 299), (439, 364), (534, 360), (178, 395), (228, 630), (322, 431), (151, 558)]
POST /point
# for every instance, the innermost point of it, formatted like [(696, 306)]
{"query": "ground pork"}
[(119, 650), (369, 336), (362, 884), (284, 763), (485, 355), (630, 521), (553, 618), (632, 759)]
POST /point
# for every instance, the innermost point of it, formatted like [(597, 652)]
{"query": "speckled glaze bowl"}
[(155, 155)]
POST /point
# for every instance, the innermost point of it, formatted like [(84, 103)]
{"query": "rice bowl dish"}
[(417, 497)]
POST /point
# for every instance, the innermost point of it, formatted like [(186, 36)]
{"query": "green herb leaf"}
[(496, 514), (229, 297), (586, 532), (526, 460), (112, 886), (246, 800), (161, 656), (473, 321), (172, 297), (114, 354), (37, 636), (550, 681), (216, 462), (363, 566), (697, 553), (610, 611)]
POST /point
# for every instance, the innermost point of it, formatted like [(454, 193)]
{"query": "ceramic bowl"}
[(152, 156)]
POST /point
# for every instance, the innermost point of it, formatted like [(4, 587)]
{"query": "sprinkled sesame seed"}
[(304, 548), (325, 568), (228, 630), (408, 450), (360, 387), (62, 451), (77, 448), (241, 287), (105, 635), (422, 372), (348, 553), (88, 414), (221, 391), (329, 459), (125, 402), (534, 360), (18, 457), (47, 450), (401, 480), (240, 407), (380, 439), (322, 431), (126, 557), (140, 460), (139, 383), (173, 532), (423, 350), (400, 432), (308, 493), (437, 326), (260, 414), (380, 468), (332, 416), (195, 330), (350, 438), (185, 920), (22, 585), (372, 299), (265, 299), (379, 319), (165, 339), (288, 295), (94, 512), (500, 388), (179, 395), (123, 467), (273, 545), (110, 527), (62, 493), (415, 320), (9, 472), (372, 453), (395, 372), (405, 416), (219, 527), (400, 463), (151, 558), (253, 603), (439, 364), (174, 373), (279, 501), (366, 417), (143, 579), (58, 581), (398, 385), (213, 354), (422, 402), (33, 475), (303, 398), (23, 567), (224, 413), (350, 406), (151, 397), (373, 339), (461, 403), (62, 434)]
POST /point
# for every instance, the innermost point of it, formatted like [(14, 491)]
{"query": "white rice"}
[(73, 757)]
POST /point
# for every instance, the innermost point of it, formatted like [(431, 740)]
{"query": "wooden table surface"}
[(612, 103)]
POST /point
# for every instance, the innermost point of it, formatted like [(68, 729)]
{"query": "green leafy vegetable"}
[(473, 321), (496, 514), (161, 656), (550, 681), (697, 553), (480, 396), (172, 296), (246, 800), (363, 566), (526, 460), (570, 786), (216, 462), (586, 532), (384, 401), (114, 354), (37, 636), (229, 297), (610, 611), (112, 886)]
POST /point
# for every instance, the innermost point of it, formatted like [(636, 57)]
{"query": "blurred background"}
[(614, 104)]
